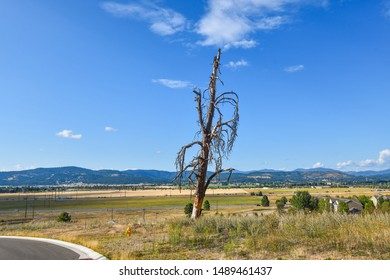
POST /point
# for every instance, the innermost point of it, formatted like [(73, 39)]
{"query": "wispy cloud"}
[(110, 129), (226, 23), (244, 44), (244, 18), (383, 161), (344, 164), (318, 165), (295, 68), (237, 64), (387, 9), (68, 134), (175, 84), (162, 21), (18, 167)]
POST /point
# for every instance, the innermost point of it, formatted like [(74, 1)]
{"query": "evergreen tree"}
[(303, 200), (188, 209), (265, 201), (206, 205)]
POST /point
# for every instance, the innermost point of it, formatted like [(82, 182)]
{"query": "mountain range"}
[(73, 175)]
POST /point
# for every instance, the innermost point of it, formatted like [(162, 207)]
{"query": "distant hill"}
[(72, 175), (370, 173), (299, 175)]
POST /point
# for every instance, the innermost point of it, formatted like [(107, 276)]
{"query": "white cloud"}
[(229, 21), (236, 64), (162, 21), (295, 68), (244, 44), (110, 129), (225, 23), (68, 134), (175, 84), (384, 156), (18, 167), (318, 165), (345, 164), (383, 161), (270, 23)]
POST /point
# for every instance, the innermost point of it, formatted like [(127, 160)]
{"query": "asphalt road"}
[(23, 249)]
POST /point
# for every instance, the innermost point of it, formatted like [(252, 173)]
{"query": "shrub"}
[(385, 207), (265, 201), (188, 209), (283, 201), (303, 200), (380, 201), (364, 199), (324, 205), (279, 206), (206, 205), (343, 207), (369, 207), (64, 217)]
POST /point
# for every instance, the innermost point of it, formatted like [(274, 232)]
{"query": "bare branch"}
[(216, 137), (198, 100), (219, 171), (180, 161), (224, 100), (225, 94)]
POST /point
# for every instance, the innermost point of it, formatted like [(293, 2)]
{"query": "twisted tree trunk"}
[(217, 138)]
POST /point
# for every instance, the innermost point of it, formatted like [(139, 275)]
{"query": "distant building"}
[(354, 205), (376, 197)]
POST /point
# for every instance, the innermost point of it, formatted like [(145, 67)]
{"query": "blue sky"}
[(108, 84)]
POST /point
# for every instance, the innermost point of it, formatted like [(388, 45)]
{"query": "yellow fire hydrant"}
[(128, 231)]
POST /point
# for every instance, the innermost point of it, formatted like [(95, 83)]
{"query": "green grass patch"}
[(130, 202)]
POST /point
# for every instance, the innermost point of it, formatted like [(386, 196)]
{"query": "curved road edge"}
[(84, 252)]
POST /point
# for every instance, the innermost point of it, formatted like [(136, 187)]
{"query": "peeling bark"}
[(217, 138)]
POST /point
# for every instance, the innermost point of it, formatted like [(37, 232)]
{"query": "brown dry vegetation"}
[(165, 233)]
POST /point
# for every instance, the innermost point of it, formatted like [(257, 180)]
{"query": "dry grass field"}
[(234, 228)]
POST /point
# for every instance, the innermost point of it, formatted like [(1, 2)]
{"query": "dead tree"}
[(216, 135)]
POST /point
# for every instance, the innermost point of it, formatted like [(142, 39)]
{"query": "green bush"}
[(265, 201), (303, 200), (188, 209), (380, 201), (206, 205), (324, 205), (279, 206), (283, 201), (364, 199), (369, 207), (343, 207), (64, 217)]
